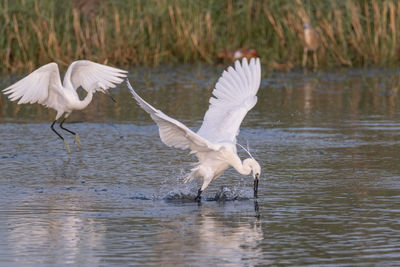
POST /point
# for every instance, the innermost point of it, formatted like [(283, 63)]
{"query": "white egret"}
[(215, 142), (44, 86)]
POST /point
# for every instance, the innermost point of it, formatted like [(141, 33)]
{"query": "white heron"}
[(215, 142), (44, 86)]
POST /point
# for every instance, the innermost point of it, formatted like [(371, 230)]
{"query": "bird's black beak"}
[(256, 187), (110, 96)]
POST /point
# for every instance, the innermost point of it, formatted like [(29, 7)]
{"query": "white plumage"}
[(234, 95), (44, 86), (215, 142)]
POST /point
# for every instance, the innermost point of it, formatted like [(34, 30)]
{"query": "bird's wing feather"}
[(172, 132), (89, 74), (42, 86), (234, 95)]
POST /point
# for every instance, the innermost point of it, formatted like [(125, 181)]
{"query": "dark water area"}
[(328, 144)]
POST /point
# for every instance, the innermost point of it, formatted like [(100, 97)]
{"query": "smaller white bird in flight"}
[(215, 142), (44, 86)]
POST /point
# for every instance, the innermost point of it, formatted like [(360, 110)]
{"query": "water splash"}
[(189, 194)]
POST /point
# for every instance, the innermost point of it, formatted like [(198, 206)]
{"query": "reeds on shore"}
[(153, 32)]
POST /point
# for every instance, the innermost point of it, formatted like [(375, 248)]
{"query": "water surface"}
[(328, 144)]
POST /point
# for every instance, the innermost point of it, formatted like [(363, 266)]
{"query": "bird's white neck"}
[(81, 104), (242, 167)]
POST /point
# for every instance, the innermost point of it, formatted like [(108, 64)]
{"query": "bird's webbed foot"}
[(77, 141), (67, 147)]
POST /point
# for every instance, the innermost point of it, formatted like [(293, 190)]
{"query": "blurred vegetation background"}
[(153, 32)]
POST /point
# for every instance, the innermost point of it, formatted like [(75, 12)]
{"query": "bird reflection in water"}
[(227, 239), (60, 235)]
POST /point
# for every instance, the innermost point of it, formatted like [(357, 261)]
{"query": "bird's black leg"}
[(61, 126), (54, 130), (59, 135), (198, 198), (77, 140)]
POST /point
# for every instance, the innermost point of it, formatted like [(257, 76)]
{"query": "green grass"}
[(153, 32)]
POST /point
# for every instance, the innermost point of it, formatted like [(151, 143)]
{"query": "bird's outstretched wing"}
[(42, 86), (234, 95), (172, 132), (89, 74)]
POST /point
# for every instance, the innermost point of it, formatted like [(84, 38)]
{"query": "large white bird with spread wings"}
[(44, 86), (215, 142)]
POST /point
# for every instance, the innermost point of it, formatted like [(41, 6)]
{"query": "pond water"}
[(328, 144)]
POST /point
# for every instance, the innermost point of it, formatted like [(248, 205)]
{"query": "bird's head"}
[(251, 164), (254, 167), (306, 25), (102, 88)]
